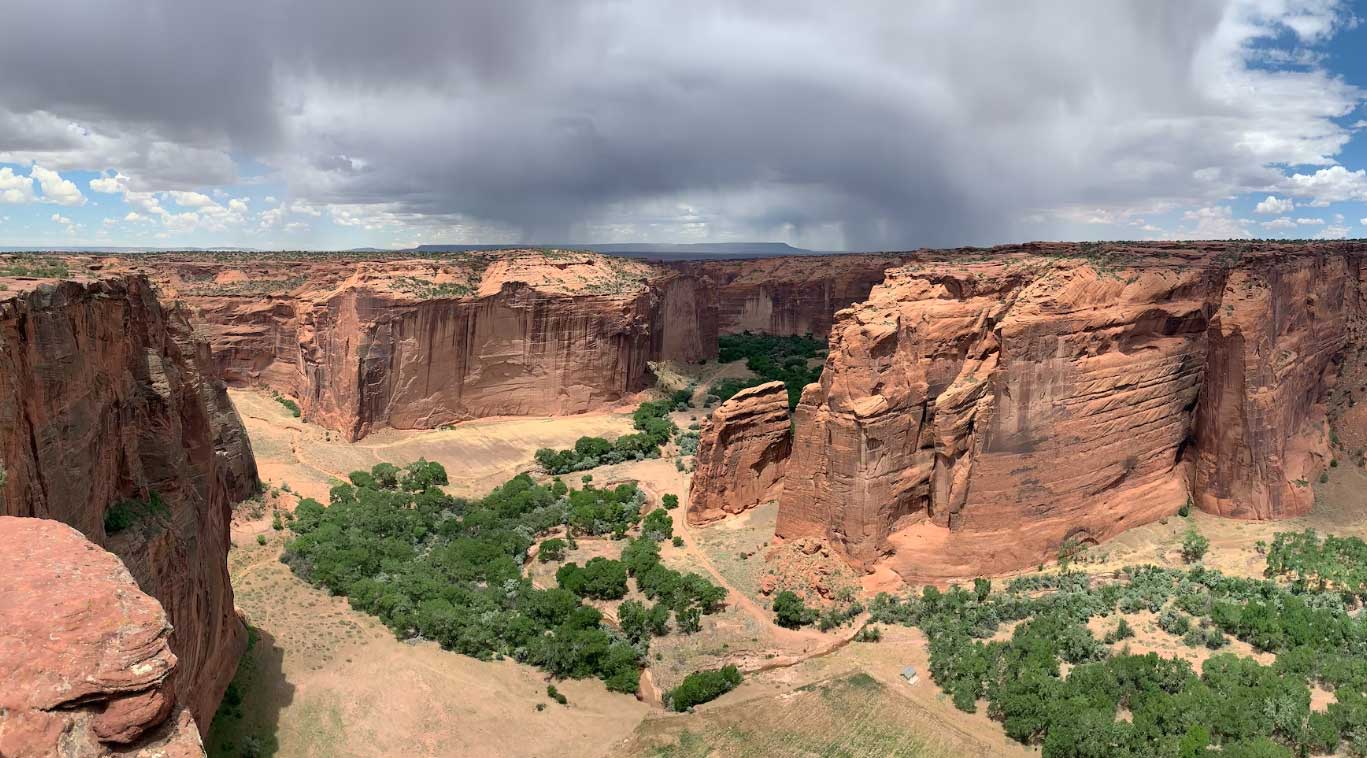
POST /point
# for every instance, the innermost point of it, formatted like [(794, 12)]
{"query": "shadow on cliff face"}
[(248, 719)]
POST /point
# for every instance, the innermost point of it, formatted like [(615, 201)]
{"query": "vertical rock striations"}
[(84, 653), (791, 294), (975, 415), (416, 344), (108, 399), (1262, 430), (742, 450), (537, 337)]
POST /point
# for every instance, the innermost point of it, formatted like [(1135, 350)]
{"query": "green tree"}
[(791, 612), (552, 549), (1194, 546)]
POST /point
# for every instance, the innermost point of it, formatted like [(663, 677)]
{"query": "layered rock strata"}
[(975, 415), (84, 653), (742, 449), (417, 343), (790, 295), (112, 421)]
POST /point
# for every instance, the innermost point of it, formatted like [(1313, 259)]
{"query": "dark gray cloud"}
[(866, 124)]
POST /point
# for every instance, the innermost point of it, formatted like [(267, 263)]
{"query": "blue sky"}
[(863, 125)]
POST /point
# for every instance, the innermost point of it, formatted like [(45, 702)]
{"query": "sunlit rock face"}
[(975, 414), (106, 396), (742, 449)]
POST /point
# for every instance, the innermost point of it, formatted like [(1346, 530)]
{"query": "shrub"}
[(677, 541), (653, 429), (556, 695), (422, 474), (289, 404), (703, 686), (552, 549), (791, 612), (1174, 622), (1194, 546), (600, 578), (869, 633), (670, 501), (1122, 631), (260, 539), (658, 525), (126, 513)]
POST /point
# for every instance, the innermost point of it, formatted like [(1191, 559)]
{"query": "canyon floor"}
[(324, 680)]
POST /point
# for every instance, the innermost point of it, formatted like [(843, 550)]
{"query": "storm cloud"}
[(858, 125)]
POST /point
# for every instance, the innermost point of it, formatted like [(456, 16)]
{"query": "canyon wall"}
[(742, 449), (417, 344), (84, 654), (975, 414), (106, 397), (790, 295)]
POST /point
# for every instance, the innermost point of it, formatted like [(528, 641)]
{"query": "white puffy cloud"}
[(1213, 222), (1274, 206), (1279, 223), (191, 199), (55, 188), (70, 225), (110, 183), (1335, 184), (15, 188), (1310, 221)]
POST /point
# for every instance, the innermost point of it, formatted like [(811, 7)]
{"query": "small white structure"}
[(909, 674)]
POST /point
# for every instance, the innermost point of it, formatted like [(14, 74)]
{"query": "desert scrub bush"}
[(658, 525), (688, 443), (1194, 546), (703, 686), (556, 695), (552, 549), (869, 633), (289, 404), (791, 612), (35, 266), (1122, 631), (670, 501), (651, 420), (127, 513)]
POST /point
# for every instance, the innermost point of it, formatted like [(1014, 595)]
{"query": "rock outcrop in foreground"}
[(84, 654), (742, 449), (978, 412), (112, 421)]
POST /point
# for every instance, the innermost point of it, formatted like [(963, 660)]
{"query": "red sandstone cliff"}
[(106, 396), (84, 654), (790, 294), (975, 414), (742, 449), (419, 343)]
